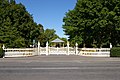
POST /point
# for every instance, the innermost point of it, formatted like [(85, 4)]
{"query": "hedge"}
[(115, 52), (1, 53)]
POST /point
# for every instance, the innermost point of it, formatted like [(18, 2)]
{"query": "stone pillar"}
[(76, 48), (38, 48), (47, 49), (67, 48)]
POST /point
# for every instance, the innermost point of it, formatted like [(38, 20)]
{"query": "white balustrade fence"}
[(21, 52), (42, 51), (98, 52), (71, 51), (57, 50)]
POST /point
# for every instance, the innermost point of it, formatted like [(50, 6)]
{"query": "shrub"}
[(1, 53), (115, 52)]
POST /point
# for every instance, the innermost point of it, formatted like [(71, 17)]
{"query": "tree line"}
[(93, 23), (17, 27)]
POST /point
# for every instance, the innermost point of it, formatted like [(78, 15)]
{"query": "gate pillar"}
[(38, 48), (47, 49), (67, 48), (76, 49)]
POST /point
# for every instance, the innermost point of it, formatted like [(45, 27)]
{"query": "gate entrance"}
[(57, 51)]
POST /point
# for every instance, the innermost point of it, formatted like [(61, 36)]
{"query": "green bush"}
[(115, 52), (1, 53)]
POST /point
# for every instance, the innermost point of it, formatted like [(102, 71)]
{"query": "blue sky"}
[(49, 13)]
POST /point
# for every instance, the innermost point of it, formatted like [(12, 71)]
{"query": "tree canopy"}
[(93, 23), (47, 35), (17, 27)]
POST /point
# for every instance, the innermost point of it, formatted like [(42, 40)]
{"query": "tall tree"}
[(50, 34), (17, 27), (94, 22)]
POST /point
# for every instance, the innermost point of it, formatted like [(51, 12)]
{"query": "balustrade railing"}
[(20, 52)]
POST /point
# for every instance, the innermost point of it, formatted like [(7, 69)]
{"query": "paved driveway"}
[(60, 68)]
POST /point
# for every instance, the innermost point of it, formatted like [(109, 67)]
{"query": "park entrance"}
[(56, 50)]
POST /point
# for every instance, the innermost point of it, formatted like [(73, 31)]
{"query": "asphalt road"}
[(60, 68)]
